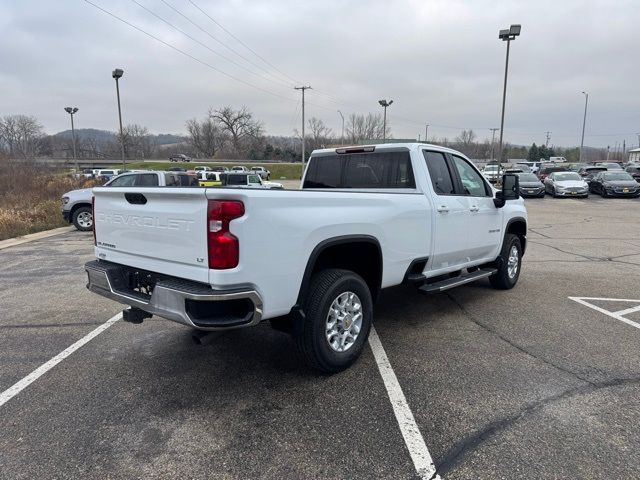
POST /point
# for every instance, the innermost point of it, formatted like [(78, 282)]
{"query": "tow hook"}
[(134, 315)]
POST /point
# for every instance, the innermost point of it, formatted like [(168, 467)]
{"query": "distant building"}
[(634, 155)]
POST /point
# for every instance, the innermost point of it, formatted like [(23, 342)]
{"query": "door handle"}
[(474, 208), (443, 209)]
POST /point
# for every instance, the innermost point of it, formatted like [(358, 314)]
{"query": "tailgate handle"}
[(135, 198)]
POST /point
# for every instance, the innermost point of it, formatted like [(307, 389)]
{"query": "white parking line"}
[(16, 388), (617, 315), (418, 450)]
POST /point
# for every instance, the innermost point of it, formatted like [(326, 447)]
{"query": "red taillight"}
[(93, 217), (223, 247)]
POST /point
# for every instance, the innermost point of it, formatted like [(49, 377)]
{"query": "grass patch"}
[(30, 199), (290, 171)]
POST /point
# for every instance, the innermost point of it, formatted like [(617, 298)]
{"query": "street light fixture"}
[(384, 105), (506, 36), (117, 74), (71, 111), (584, 122)]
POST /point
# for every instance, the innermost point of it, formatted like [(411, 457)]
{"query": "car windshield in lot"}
[(610, 165), (528, 177), (566, 176), (617, 176)]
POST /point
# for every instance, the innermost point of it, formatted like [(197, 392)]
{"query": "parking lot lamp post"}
[(384, 105), (117, 74), (584, 122), (506, 36), (71, 111)]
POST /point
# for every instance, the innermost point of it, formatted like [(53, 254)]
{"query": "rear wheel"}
[(338, 316), (508, 264), (83, 219)]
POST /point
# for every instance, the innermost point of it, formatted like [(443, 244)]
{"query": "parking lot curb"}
[(12, 242)]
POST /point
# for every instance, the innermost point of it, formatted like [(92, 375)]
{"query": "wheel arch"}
[(517, 226), (351, 252), (75, 207)]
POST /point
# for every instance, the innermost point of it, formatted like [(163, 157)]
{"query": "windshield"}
[(565, 176), (490, 168), (528, 177), (617, 176)]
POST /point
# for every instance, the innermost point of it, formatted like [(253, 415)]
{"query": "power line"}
[(275, 79), (242, 43), (173, 47), (204, 45)]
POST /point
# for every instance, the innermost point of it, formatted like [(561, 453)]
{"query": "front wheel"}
[(83, 219), (338, 317), (508, 264)]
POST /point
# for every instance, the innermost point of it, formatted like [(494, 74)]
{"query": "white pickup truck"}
[(313, 260)]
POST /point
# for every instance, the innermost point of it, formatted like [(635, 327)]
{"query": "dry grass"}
[(30, 198)]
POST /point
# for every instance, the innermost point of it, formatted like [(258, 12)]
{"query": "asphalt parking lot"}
[(541, 381)]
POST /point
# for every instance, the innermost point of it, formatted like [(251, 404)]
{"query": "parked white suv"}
[(76, 204), (312, 261)]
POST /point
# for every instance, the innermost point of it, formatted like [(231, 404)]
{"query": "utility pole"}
[(584, 122), (303, 88), (426, 133), (624, 149), (493, 136), (638, 139), (546, 143), (342, 136)]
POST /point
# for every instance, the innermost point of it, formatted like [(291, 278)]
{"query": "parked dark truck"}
[(312, 261)]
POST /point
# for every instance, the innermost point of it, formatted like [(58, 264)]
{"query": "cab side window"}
[(472, 182), (123, 181), (147, 180), (441, 177)]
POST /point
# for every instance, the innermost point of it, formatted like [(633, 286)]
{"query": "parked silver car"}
[(263, 172), (566, 184)]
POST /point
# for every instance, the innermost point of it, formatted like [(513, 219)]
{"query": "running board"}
[(456, 281)]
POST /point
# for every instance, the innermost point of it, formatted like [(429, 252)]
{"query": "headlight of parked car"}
[(65, 200)]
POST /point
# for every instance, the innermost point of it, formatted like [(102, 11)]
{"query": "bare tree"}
[(205, 137), (137, 141), (240, 125), (360, 127), (466, 142), (320, 134), (22, 135)]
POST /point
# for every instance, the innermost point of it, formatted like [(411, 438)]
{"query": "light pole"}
[(493, 140), (71, 111), (584, 122), (384, 105), (426, 132), (506, 36), (342, 136), (117, 74)]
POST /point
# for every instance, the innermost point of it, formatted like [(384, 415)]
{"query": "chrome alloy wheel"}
[(85, 219), (512, 262), (344, 321)]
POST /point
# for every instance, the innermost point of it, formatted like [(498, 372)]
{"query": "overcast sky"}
[(440, 61)]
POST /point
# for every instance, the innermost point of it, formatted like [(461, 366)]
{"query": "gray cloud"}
[(440, 61)]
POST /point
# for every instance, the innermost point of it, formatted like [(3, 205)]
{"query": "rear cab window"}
[(370, 170)]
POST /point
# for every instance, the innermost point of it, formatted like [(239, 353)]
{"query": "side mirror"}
[(510, 190)]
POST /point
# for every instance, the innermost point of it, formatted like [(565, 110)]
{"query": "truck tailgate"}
[(156, 229)]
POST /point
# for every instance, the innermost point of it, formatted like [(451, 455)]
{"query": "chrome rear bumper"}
[(190, 303)]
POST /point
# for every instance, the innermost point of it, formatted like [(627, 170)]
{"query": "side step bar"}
[(456, 281)]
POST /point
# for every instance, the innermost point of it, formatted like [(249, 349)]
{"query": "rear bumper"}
[(190, 303)]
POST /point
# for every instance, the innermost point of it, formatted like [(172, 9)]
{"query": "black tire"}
[(501, 279), (604, 192), (309, 332), (79, 219)]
